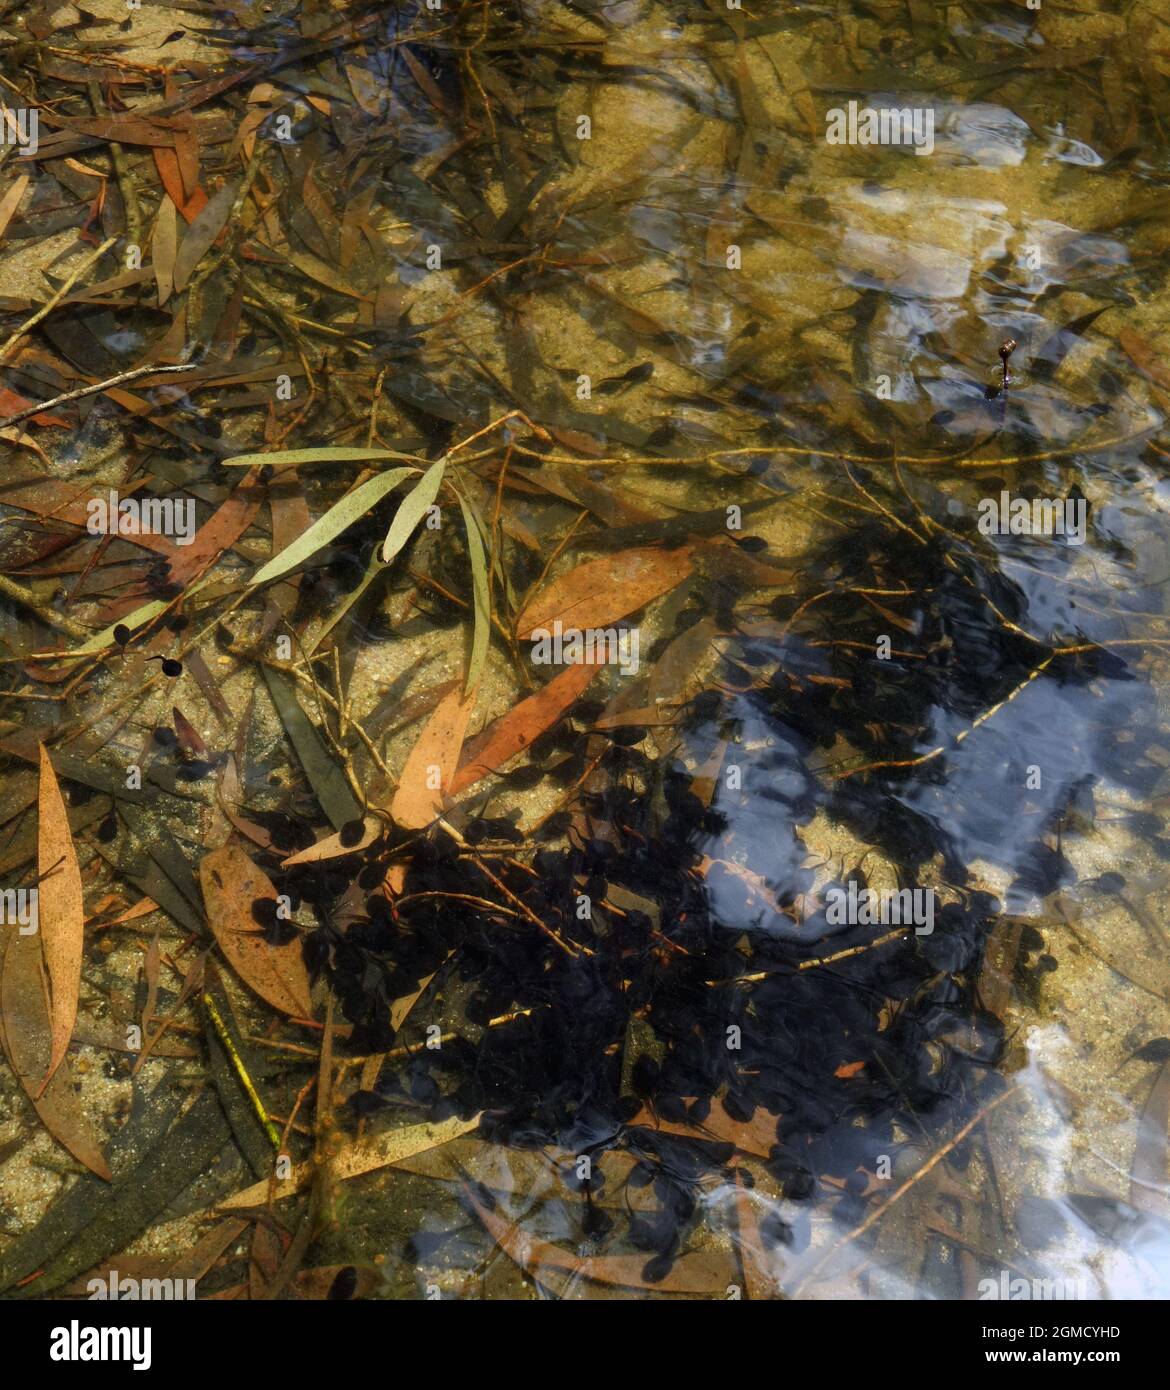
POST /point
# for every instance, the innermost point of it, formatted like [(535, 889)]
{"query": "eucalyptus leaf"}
[(408, 516), (341, 515), (482, 596), (288, 458)]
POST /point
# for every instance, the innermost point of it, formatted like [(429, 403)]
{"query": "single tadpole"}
[(1005, 352)]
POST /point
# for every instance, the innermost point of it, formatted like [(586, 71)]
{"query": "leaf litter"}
[(581, 882)]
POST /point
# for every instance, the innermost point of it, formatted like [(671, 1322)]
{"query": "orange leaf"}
[(13, 404), (62, 913), (515, 730), (231, 884), (601, 591), (418, 800)]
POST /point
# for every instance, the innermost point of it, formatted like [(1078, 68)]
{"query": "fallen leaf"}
[(62, 913), (12, 404), (599, 592), (200, 235), (430, 768), (164, 245), (331, 846), (514, 731), (364, 1156), (25, 1035), (231, 884), (1144, 357), (11, 201)]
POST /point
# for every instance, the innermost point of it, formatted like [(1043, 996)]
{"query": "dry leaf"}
[(24, 1033), (601, 591), (514, 731), (331, 846), (231, 884), (364, 1156), (62, 913), (418, 800), (164, 245)]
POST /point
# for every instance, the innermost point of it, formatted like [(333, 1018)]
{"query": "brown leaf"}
[(200, 235), (417, 801), (601, 591), (219, 532), (164, 245), (62, 913), (25, 1035), (514, 731), (231, 884)]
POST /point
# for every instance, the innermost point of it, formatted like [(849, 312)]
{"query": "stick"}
[(76, 395), (55, 298)]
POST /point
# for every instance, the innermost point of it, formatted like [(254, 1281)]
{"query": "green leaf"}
[(325, 777), (287, 458), (408, 516), (482, 596), (353, 505), (105, 638)]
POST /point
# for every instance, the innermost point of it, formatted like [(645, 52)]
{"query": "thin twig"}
[(81, 391), (55, 298)]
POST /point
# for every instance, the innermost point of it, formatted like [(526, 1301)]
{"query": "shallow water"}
[(604, 260)]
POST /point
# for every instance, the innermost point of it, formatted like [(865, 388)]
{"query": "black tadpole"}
[(1005, 352)]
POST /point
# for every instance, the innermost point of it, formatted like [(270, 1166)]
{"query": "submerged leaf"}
[(341, 515), (413, 509), (426, 778), (62, 913), (601, 591), (231, 884), (482, 596)]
